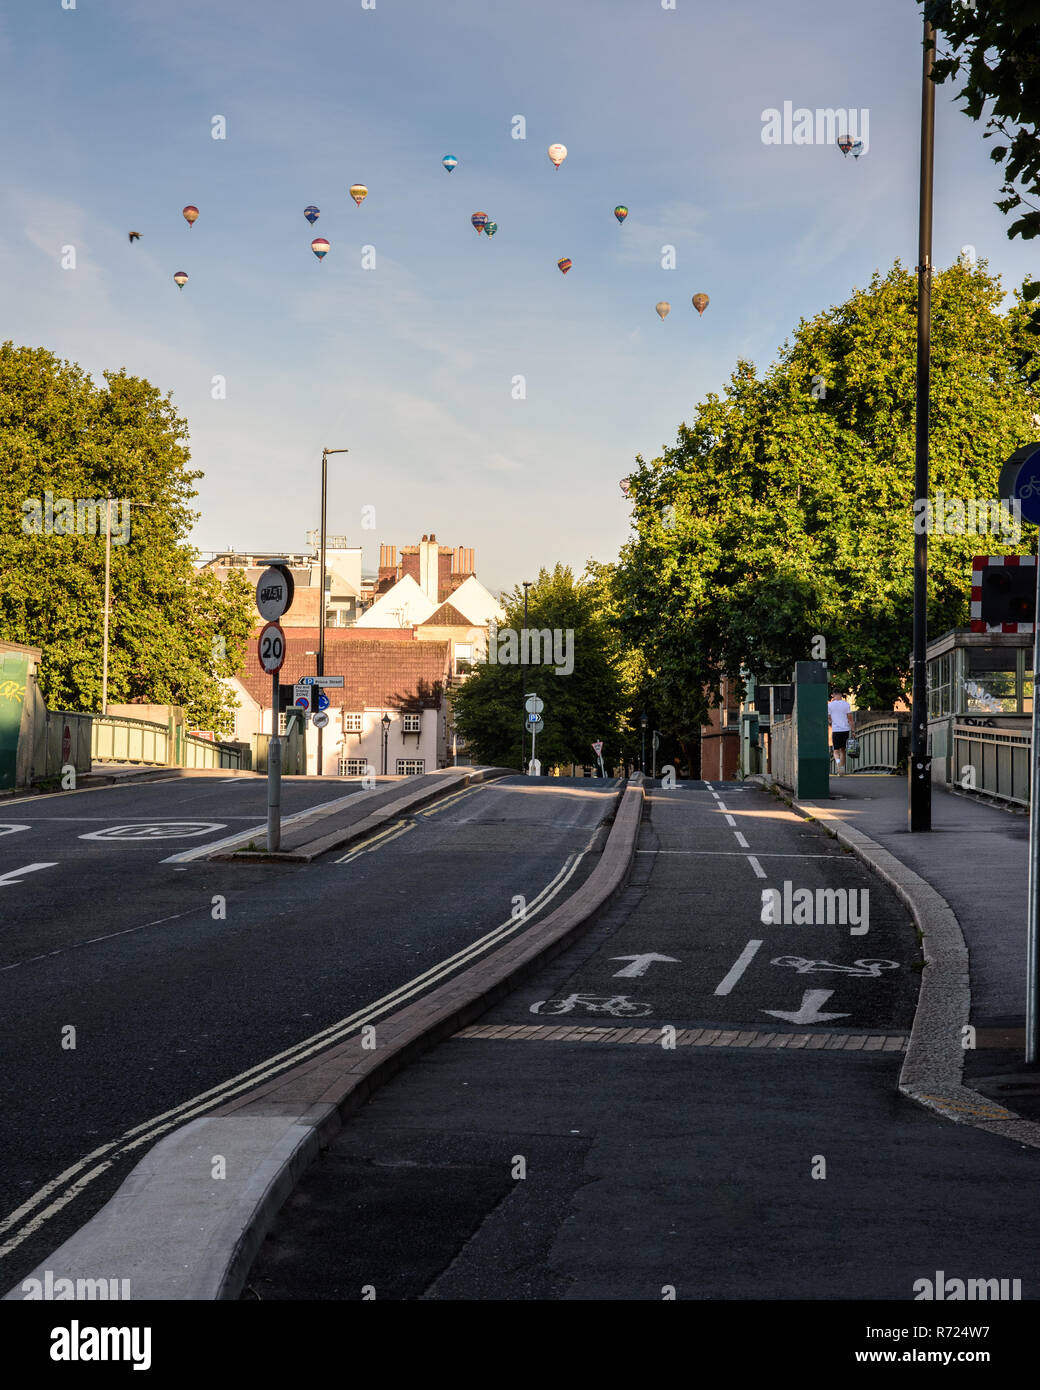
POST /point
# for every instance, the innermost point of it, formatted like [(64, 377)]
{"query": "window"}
[(410, 767), (939, 683), (412, 723), (463, 658), (352, 723), (354, 767)]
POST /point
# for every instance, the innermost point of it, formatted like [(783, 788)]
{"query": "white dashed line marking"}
[(756, 866), (741, 841)]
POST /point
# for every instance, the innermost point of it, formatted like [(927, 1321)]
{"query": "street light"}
[(523, 685), (385, 721), (642, 761), (321, 595)]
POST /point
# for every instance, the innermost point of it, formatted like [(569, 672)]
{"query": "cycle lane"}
[(700, 1143)]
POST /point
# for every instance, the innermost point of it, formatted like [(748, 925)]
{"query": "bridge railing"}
[(879, 746), (783, 751), (994, 761), (119, 739)]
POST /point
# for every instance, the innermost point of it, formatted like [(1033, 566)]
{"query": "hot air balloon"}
[(565, 264), (181, 278), (480, 221), (557, 153), (491, 229), (625, 484), (700, 302), (312, 214), (319, 246), (449, 161), (621, 212), (358, 192), (664, 308), (857, 149), (844, 143), (190, 214)]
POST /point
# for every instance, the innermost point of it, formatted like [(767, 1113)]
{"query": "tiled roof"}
[(345, 634), (377, 674), (447, 615)]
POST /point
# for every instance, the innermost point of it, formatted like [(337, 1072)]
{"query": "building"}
[(344, 586)]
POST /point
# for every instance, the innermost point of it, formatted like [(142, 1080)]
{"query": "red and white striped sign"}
[(979, 565)]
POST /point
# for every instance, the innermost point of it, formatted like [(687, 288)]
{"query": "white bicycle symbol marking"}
[(818, 967), (617, 1005), (1028, 489)]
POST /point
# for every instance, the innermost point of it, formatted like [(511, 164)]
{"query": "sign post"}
[(1020, 481), (274, 596), (597, 748)]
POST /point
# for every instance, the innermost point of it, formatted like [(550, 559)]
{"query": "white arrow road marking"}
[(810, 1009), (640, 965), (10, 829), (9, 877), (742, 962)]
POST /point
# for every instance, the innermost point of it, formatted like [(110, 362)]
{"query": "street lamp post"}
[(321, 594), (920, 807), (523, 686), (385, 721), (642, 761)]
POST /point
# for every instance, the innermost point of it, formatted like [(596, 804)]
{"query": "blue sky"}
[(107, 113)]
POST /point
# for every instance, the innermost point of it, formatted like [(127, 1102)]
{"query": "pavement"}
[(656, 1091)]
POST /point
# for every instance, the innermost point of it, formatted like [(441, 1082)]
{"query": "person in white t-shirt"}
[(840, 719)]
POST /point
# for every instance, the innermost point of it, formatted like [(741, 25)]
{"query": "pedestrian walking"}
[(840, 720)]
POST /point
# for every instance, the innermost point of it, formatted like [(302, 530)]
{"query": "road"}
[(689, 1102), (130, 986)]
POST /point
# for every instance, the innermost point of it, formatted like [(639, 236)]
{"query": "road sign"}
[(300, 695), (533, 705), (597, 747), (323, 704), (271, 648), (1026, 487), (320, 719), (326, 682), (535, 723), (274, 592)]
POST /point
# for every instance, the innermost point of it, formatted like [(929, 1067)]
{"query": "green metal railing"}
[(993, 761)]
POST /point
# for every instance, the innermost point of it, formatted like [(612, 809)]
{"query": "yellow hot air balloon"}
[(664, 308), (358, 192), (557, 153), (700, 302)]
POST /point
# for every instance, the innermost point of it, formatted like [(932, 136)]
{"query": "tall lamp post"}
[(920, 807), (523, 687), (642, 761), (321, 596), (385, 721)]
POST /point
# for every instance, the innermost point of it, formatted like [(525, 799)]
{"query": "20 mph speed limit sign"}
[(271, 648)]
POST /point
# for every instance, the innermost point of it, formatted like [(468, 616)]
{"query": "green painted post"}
[(812, 776), (14, 680)]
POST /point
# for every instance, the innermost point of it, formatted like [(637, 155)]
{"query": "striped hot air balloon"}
[(565, 264), (621, 212), (320, 247), (449, 161), (845, 143), (358, 192), (180, 278), (312, 214), (480, 221), (190, 214)]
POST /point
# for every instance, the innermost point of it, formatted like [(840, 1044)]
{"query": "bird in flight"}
[(134, 236)]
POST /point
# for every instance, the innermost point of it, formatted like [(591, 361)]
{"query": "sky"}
[(108, 113)]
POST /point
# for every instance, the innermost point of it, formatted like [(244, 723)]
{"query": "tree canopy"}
[(173, 629), (785, 510), (581, 706)]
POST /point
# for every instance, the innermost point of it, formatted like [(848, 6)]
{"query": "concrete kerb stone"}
[(209, 1232), (933, 1068)]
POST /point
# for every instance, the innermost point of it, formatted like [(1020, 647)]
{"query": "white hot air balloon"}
[(557, 153), (664, 308)]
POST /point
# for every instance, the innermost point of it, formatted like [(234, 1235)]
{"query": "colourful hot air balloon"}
[(565, 264), (449, 161), (480, 221), (557, 153), (320, 247), (312, 214), (857, 149), (190, 214), (844, 143), (181, 278), (625, 485), (700, 302), (358, 192), (621, 212), (663, 309), (491, 229)]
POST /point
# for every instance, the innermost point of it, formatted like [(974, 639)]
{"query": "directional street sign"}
[(326, 682), (274, 592), (320, 719), (535, 723), (323, 704), (533, 705), (271, 648)]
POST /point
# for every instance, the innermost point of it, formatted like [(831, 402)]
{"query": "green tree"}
[(580, 706), (786, 509), (174, 629)]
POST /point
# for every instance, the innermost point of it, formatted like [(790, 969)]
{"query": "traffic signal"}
[(1003, 593)]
